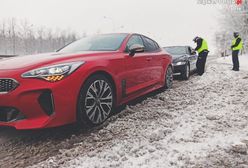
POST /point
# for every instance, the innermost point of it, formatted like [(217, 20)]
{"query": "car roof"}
[(176, 46), (112, 33), (126, 34)]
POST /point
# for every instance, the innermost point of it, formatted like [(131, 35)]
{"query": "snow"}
[(243, 59), (198, 123)]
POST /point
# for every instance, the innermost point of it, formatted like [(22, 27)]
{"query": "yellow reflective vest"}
[(204, 46), (240, 46)]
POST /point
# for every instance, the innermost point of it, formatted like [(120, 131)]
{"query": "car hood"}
[(178, 57), (32, 61)]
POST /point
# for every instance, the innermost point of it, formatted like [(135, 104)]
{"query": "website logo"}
[(221, 2), (239, 2), (232, 5)]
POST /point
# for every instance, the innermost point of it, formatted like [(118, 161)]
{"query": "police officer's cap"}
[(196, 38), (236, 33)]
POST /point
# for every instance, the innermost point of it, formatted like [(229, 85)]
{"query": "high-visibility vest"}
[(204, 46), (240, 46)]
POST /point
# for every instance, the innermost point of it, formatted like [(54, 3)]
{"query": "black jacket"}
[(199, 43)]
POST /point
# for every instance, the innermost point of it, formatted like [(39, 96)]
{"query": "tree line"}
[(19, 37), (234, 19)]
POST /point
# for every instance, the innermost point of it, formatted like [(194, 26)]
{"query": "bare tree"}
[(25, 34), (13, 32), (21, 37)]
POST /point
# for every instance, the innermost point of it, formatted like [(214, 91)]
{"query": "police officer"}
[(202, 49), (237, 45)]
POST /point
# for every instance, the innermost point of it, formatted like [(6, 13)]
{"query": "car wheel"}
[(96, 101), (186, 72), (169, 78)]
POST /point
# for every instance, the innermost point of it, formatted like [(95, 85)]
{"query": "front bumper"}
[(40, 104), (178, 69)]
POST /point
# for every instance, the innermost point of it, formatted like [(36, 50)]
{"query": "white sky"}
[(170, 22)]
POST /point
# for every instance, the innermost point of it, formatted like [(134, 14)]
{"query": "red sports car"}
[(81, 82)]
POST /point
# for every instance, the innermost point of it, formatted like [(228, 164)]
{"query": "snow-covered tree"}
[(234, 19)]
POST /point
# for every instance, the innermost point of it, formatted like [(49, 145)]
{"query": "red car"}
[(81, 82)]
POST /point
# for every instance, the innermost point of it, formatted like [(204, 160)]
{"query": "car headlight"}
[(180, 63), (53, 73)]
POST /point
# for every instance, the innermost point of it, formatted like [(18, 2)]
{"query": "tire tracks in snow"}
[(192, 125)]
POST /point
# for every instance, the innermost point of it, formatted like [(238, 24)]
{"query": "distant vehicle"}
[(82, 82), (184, 60)]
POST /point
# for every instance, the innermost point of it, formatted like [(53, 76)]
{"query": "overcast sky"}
[(170, 22)]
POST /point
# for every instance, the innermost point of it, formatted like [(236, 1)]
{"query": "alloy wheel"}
[(98, 101)]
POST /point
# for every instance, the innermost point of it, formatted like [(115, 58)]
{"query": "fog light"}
[(9, 114)]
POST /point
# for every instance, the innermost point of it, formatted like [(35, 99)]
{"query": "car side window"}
[(156, 44), (135, 39), (189, 51), (150, 45)]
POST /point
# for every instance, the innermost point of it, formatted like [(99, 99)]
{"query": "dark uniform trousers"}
[(201, 62), (235, 59)]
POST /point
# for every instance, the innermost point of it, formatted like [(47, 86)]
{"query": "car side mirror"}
[(136, 48), (193, 52)]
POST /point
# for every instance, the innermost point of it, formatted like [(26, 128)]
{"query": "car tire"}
[(96, 101), (186, 72), (169, 78)]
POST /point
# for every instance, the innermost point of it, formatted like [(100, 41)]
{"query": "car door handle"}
[(148, 59)]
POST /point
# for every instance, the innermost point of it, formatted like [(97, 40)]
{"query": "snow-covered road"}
[(195, 124)]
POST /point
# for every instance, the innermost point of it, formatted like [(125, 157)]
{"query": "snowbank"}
[(243, 60)]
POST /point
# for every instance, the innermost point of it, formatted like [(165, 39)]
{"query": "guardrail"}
[(7, 56)]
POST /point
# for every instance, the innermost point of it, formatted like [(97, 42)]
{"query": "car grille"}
[(8, 85)]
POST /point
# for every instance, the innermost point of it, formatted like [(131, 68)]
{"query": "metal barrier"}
[(7, 56)]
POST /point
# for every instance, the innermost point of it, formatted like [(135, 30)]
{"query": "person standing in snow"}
[(202, 49), (237, 45)]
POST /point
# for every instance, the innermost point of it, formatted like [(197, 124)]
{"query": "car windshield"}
[(107, 42), (176, 50)]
